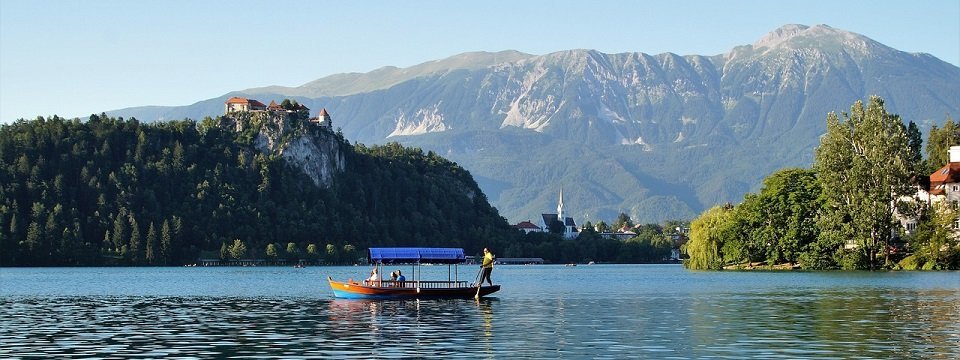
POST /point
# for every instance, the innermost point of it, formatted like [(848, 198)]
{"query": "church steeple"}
[(560, 206)]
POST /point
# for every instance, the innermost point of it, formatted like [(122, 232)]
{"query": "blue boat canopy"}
[(416, 255)]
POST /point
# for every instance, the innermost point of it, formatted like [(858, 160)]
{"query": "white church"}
[(569, 226)]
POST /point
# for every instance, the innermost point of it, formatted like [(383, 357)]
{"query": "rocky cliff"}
[(314, 149)]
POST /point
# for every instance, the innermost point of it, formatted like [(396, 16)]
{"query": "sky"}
[(73, 58)]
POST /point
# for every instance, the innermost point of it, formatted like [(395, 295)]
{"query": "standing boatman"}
[(487, 266)]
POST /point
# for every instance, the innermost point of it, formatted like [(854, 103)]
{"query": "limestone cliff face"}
[(313, 149), (318, 157)]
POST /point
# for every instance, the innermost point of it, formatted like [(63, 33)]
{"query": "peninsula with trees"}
[(870, 201)]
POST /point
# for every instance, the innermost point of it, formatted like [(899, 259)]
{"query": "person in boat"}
[(393, 278), (400, 279), (487, 266), (374, 277)]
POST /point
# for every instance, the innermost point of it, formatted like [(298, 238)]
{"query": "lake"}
[(543, 311)]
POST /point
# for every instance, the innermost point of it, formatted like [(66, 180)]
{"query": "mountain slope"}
[(655, 136)]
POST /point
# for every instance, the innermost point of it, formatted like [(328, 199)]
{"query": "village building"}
[(942, 185), (527, 227), (570, 230), (622, 234)]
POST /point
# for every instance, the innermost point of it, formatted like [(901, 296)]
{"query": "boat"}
[(415, 287)]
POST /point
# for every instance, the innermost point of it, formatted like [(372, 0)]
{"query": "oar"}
[(477, 296)]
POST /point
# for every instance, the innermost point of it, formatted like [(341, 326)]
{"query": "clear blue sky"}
[(74, 58)]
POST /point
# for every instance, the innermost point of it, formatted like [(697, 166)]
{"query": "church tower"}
[(560, 207)]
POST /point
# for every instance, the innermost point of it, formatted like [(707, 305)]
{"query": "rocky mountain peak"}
[(780, 35), (824, 37)]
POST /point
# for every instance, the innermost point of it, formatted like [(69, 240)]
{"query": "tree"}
[(939, 142), (118, 237), (238, 249), (707, 234), (780, 221), (934, 243), (332, 253), (622, 220), (557, 227), (293, 252), (915, 142), (151, 244), (135, 241), (602, 226), (350, 253), (272, 251), (863, 166), (165, 242), (224, 251)]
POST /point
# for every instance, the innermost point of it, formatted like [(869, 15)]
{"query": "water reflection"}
[(873, 324), (726, 315)]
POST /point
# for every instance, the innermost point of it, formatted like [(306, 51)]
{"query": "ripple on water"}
[(808, 323)]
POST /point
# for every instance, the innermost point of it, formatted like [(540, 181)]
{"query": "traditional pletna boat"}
[(413, 288)]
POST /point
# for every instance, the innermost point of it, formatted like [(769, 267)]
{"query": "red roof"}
[(949, 173), (946, 174), (526, 225), (255, 103), (237, 100), (323, 112)]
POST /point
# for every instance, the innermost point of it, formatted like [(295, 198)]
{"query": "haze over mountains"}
[(655, 136)]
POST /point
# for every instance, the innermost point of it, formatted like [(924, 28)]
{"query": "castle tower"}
[(324, 118)]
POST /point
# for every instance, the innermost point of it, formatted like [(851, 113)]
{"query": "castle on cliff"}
[(239, 104)]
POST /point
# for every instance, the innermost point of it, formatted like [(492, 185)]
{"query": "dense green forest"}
[(841, 213), (109, 191)]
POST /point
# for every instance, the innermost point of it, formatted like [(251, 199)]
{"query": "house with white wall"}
[(942, 185)]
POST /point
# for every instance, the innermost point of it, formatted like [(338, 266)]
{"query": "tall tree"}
[(915, 141), (118, 237), (149, 254), (863, 165), (136, 243), (939, 140), (165, 244)]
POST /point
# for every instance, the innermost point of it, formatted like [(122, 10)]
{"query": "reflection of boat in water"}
[(416, 287)]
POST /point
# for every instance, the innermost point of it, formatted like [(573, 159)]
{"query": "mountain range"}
[(654, 136)]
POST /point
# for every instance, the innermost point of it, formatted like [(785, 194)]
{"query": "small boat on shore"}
[(414, 288)]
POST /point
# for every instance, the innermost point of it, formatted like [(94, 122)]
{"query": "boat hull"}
[(360, 291)]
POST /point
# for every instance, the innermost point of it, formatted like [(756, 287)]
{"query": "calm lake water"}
[(597, 311)]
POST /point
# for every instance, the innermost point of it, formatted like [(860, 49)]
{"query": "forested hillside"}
[(110, 191)]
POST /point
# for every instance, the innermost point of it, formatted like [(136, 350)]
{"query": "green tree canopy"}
[(863, 164)]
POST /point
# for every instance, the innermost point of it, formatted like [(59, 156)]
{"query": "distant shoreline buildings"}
[(570, 230)]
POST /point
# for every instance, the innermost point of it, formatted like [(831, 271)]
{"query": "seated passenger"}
[(374, 278)]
